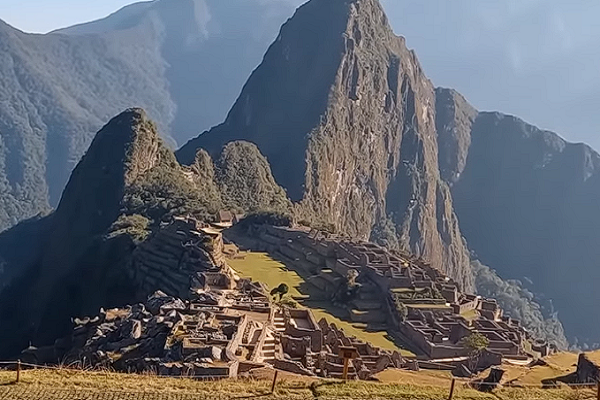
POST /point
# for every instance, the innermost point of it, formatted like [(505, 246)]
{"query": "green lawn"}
[(262, 268)]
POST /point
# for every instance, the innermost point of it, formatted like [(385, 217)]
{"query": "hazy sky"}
[(538, 59), (42, 16)]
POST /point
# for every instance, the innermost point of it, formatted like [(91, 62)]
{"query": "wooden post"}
[(347, 353), (274, 382), (452, 389), (346, 366), (18, 371)]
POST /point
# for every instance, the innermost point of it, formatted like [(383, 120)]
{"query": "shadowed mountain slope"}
[(77, 261), (528, 205)]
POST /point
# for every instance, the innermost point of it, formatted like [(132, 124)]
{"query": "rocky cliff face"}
[(346, 117), (454, 119)]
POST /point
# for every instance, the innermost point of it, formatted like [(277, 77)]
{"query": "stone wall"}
[(587, 371), (174, 255)]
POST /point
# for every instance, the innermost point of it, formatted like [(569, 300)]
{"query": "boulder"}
[(491, 382), (397, 359), (161, 302), (131, 329), (462, 371)]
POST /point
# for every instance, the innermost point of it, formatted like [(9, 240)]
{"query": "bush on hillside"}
[(135, 225), (267, 218), (162, 192)]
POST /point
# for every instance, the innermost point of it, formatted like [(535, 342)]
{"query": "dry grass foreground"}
[(81, 385)]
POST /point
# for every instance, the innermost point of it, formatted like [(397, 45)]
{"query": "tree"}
[(287, 302), (476, 343), (280, 290)]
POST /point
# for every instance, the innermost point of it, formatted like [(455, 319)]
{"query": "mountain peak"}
[(303, 63), (346, 117), (123, 149)]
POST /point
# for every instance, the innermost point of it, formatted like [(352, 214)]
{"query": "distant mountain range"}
[(184, 61), (353, 130)]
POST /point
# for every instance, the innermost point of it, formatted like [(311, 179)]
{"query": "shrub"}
[(134, 225), (164, 192)]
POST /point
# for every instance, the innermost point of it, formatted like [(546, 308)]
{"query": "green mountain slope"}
[(183, 61)]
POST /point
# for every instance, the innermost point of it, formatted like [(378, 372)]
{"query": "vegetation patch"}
[(519, 303)]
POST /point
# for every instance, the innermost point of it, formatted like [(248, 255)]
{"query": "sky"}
[(41, 16), (537, 59)]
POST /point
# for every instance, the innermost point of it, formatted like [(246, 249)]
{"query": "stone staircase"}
[(368, 308), (279, 322), (268, 349)]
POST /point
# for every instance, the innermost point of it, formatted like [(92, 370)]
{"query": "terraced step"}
[(374, 316), (339, 368), (340, 375), (367, 305)]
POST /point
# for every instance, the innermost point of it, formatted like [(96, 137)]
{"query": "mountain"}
[(527, 202), (360, 138), (77, 259), (49, 290), (346, 118), (183, 61), (339, 110)]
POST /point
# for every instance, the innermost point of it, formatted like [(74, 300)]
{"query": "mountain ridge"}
[(58, 89)]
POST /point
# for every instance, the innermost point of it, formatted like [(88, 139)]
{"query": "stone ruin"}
[(206, 321), (181, 254), (400, 293), (310, 348), (219, 333)]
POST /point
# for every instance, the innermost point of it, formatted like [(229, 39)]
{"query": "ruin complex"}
[(422, 307), (206, 321), (199, 318)]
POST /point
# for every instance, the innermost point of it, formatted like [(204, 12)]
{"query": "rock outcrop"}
[(587, 370), (346, 117)]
